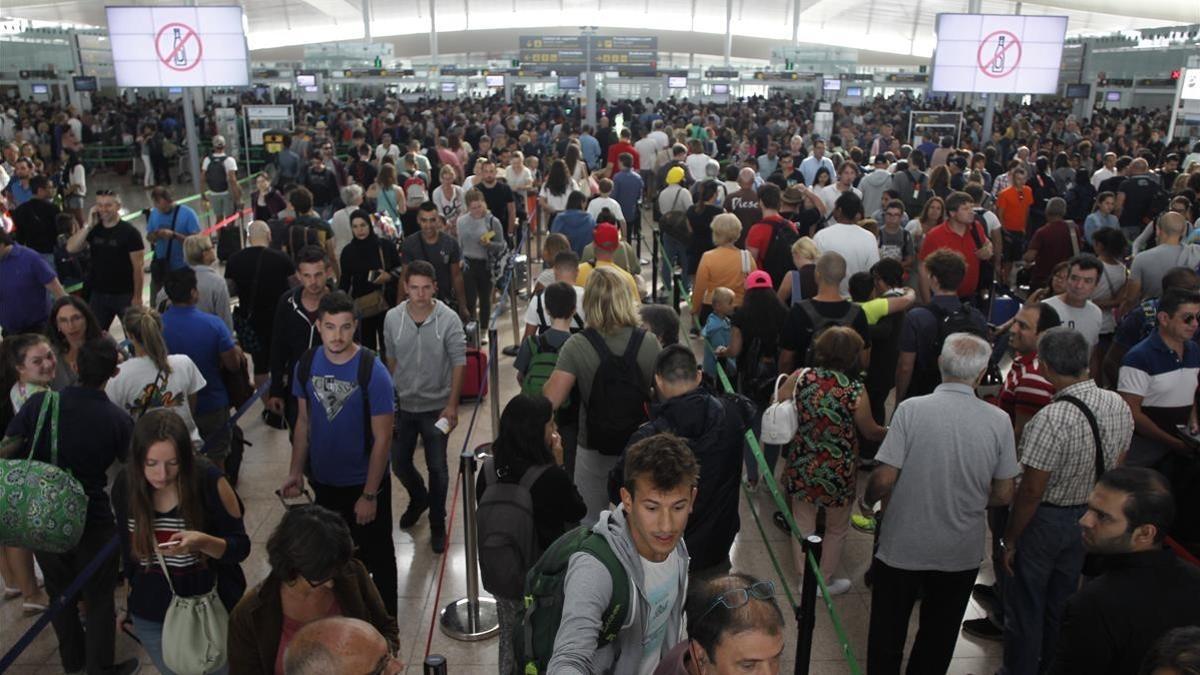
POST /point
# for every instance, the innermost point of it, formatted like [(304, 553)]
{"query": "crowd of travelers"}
[(968, 346)]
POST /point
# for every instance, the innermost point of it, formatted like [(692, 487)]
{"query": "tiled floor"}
[(264, 469)]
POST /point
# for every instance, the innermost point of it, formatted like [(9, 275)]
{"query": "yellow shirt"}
[(585, 271), (875, 310)]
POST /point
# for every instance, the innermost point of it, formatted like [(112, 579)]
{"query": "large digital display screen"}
[(829, 84), (998, 53), (83, 83), (178, 46), (1079, 90), (609, 52), (675, 82), (570, 82), (494, 80)]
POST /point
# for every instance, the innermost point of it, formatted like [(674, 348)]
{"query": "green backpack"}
[(533, 639), (42, 506), (543, 357)]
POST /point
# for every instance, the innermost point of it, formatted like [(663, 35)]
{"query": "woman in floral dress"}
[(822, 460)]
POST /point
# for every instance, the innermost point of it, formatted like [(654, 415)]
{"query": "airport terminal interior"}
[(600, 336)]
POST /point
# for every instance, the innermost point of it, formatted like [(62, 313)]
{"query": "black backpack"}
[(366, 363), (617, 403), (508, 541), (777, 260), (959, 320), (820, 323), (214, 176)]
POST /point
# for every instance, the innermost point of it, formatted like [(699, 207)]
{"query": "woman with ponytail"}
[(153, 378)]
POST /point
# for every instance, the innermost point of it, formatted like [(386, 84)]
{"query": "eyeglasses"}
[(738, 597), (105, 193), (1190, 318), (385, 661)]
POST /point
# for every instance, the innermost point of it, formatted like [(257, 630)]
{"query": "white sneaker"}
[(837, 586)]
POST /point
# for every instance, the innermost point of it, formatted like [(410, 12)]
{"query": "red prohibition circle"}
[(189, 33), (1014, 43)]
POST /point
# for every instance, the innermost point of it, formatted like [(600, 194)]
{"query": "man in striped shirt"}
[(1025, 392)]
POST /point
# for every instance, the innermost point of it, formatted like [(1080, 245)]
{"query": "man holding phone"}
[(117, 249), (343, 429)]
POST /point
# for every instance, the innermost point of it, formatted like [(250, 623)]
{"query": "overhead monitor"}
[(831, 84), (1190, 90), (41, 88), (1113, 96), (1079, 90), (494, 80), (998, 53), (854, 92), (720, 89), (310, 89), (449, 87), (306, 80), (677, 82), (174, 91), (568, 82), (173, 46), (84, 83)]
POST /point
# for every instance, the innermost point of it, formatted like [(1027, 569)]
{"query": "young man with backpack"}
[(828, 307), (634, 554), (426, 350), (770, 240), (967, 236), (294, 330), (538, 357), (537, 315), (220, 192), (343, 429), (926, 328), (309, 229)]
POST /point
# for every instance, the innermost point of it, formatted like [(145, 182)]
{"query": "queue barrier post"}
[(654, 265), (471, 618), (806, 612), (494, 374), (435, 664)]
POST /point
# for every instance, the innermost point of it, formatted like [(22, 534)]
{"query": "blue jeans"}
[(409, 425), (150, 634), (674, 253), (1048, 564)]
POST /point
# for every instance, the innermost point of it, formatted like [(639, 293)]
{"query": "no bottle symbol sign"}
[(179, 46), (999, 54)]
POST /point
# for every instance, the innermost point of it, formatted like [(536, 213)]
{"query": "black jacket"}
[(1110, 624), (714, 428), (292, 335)]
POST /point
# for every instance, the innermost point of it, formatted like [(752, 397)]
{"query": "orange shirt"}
[(1013, 207)]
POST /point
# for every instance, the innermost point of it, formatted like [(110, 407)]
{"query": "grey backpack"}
[(508, 545)]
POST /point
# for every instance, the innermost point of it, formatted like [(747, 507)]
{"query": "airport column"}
[(366, 12), (728, 31)]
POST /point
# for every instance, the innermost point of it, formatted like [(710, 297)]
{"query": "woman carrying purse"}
[(368, 265), (183, 539)]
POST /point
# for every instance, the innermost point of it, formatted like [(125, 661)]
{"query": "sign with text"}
[(178, 46), (998, 53), (569, 52)]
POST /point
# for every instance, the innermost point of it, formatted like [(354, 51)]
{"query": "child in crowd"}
[(718, 330)]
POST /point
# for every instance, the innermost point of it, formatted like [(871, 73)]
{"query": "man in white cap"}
[(220, 190)]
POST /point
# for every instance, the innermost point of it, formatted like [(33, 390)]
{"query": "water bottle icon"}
[(998, 58), (180, 53)]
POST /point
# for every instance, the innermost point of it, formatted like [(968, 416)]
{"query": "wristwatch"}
[(369, 496)]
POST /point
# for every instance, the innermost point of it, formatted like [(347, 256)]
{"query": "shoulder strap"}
[(531, 475), (811, 310), (166, 573), (618, 605), (489, 471), (848, 318), (304, 369), (745, 264), (366, 366), (797, 294), (50, 406), (1074, 238), (540, 311), (1091, 418), (593, 336), (635, 344)]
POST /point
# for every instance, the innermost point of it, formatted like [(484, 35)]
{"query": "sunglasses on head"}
[(738, 597)]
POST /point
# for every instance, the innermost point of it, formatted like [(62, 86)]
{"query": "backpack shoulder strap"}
[(489, 471), (635, 345), (852, 313), (304, 370), (617, 612), (541, 313), (593, 336), (366, 367), (810, 309), (1091, 418), (531, 475)]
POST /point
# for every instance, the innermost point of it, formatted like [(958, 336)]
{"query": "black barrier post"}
[(654, 267), (435, 664), (806, 613)]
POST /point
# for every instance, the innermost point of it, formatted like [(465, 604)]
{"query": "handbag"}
[(194, 631), (42, 506), (373, 303), (238, 383), (780, 420)]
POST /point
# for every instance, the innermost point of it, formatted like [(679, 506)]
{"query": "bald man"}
[(1145, 278), (1136, 197), (339, 645), (744, 203), (258, 275)]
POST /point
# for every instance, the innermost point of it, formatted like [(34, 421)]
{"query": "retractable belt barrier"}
[(65, 599), (810, 543)]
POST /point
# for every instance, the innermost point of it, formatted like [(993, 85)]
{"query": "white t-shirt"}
[(135, 380), (1086, 319), (450, 207), (1112, 280), (661, 588), (647, 149), (557, 202), (600, 203), (229, 162), (392, 151), (531, 313), (829, 194), (696, 165), (1102, 174), (855, 244)]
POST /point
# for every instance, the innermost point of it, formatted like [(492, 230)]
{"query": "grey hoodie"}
[(425, 355), (872, 186), (587, 590)]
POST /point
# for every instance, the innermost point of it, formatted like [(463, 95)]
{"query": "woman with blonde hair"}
[(448, 197), (801, 282), (613, 359), (725, 265), (154, 378)]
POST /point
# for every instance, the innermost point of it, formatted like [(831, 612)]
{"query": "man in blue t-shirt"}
[(206, 340), (345, 454), (166, 227)]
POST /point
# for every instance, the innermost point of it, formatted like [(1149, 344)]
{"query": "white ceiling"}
[(490, 27)]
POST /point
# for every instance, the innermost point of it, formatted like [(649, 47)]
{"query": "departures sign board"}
[(569, 52)]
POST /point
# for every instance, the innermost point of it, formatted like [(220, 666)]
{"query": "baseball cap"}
[(758, 279), (607, 237), (675, 175)]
